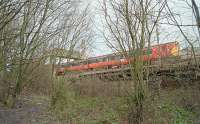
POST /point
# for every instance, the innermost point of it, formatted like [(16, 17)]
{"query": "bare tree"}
[(174, 19), (197, 15), (28, 31), (130, 26), (75, 31)]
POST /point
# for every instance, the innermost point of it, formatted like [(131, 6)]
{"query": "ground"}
[(28, 110), (83, 105), (37, 110)]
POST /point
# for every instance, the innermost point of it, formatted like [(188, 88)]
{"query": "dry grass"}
[(93, 101), (96, 87), (172, 104), (40, 81)]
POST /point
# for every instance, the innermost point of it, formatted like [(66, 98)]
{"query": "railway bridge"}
[(177, 68)]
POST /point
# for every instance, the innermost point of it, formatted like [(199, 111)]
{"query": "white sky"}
[(99, 46), (168, 33)]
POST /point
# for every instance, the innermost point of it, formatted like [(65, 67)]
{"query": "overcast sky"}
[(99, 46), (168, 33)]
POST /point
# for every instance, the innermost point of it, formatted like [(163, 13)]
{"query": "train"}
[(116, 60)]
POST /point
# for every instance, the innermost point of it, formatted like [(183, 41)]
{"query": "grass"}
[(85, 109), (93, 111), (173, 106), (67, 105)]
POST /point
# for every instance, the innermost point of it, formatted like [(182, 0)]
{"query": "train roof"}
[(110, 55), (117, 53)]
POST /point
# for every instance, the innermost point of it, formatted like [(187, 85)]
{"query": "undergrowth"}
[(84, 109), (168, 108), (178, 114)]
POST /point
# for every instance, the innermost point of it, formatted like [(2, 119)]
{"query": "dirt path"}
[(27, 112)]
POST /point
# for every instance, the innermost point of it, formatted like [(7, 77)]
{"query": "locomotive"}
[(116, 60)]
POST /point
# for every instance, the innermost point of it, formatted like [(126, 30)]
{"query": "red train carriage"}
[(113, 60)]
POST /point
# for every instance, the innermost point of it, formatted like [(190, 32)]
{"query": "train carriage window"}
[(66, 64), (75, 63), (112, 58), (100, 60), (104, 59), (89, 61), (83, 62), (92, 61)]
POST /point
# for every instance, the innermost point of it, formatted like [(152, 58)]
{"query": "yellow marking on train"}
[(174, 51)]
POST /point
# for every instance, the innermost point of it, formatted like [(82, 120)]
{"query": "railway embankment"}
[(96, 101)]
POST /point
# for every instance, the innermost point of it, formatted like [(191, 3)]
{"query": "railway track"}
[(181, 68)]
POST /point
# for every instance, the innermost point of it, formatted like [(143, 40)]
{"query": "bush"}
[(62, 98)]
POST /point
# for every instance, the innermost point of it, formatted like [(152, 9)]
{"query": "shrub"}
[(62, 98)]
